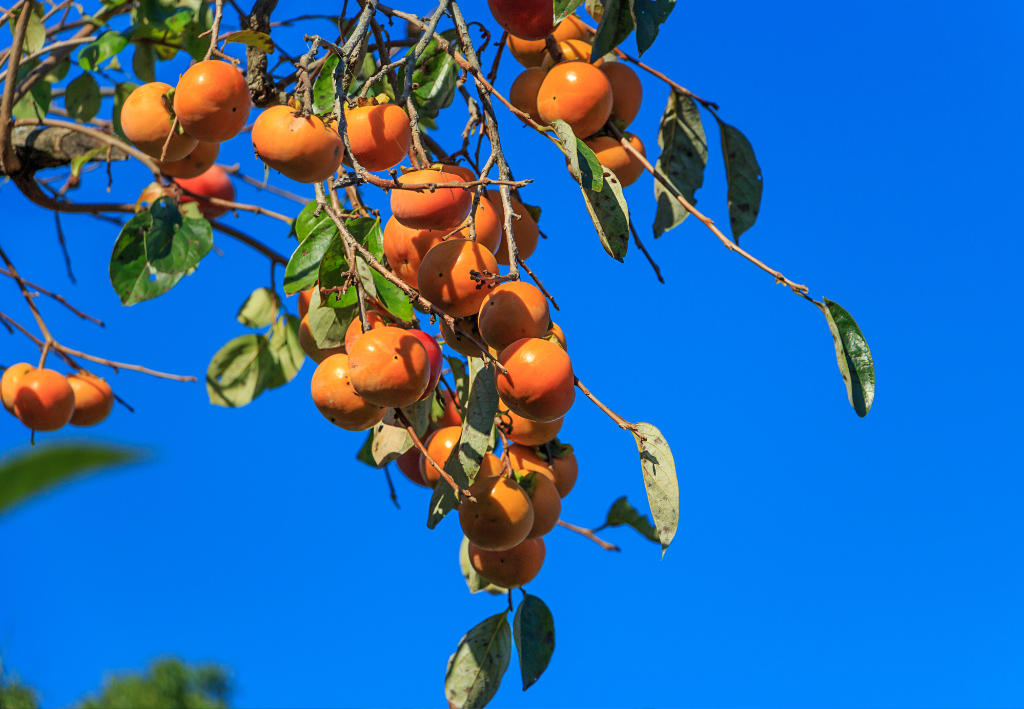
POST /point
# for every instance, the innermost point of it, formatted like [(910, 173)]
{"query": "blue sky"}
[(821, 559)]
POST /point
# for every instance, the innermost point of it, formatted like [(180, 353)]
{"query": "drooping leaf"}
[(390, 440), (477, 666), (564, 8), (58, 72), (286, 351), (259, 309), (659, 470), (35, 32), (156, 248), (304, 265), (121, 94), (25, 475), (36, 102), (744, 177), (191, 35), (460, 380), (853, 356), (435, 77), (144, 62), (328, 325), (82, 99), (106, 45), (616, 25), (475, 581), (240, 371), (251, 38), (323, 90), (622, 512), (610, 214), (306, 221), (684, 154), (580, 159), (369, 233), (79, 160), (534, 630), (649, 15), (477, 425)]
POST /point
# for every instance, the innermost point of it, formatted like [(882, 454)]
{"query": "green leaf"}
[(435, 77), (660, 480), (28, 474), (564, 8), (259, 309), (191, 40), (390, 440), (853, 356), (369, 233), (588, 171), (304, 265), (365, 454), (36, 102), (95, 53), (251, 38), (460, 379), (305, 222), (684, 154), (79, 160), (286, 350), (610, 214), (121, 93), (534, 631), (333, 267), (82, 99), (477, 425), (155, 249), (477, 666), (58, 72), (535, 211), (35, 32), (144, 62), (744, 177), (622, 512), (616, 25), (649, 15), (328, 325), (475, 581), (240, 371), (323, 88), (178, 21)]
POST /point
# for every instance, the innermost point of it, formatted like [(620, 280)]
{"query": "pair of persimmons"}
[(45, 400)]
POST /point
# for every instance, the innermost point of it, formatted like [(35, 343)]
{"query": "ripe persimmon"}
[(194, 164), (304, 298), (10, 382), (94, 399), (462, 172), (459, 342), (562, 471), (547, 506), (579, 94), (380, 136), (531, 53), (525, 229), (338, 401), (490, 466), (212, 101), (44, 401), (572, 50), (304, 149), (146, 120), (523, 92), (409, 464), (539, 384), (501, 517), (308, 343), (434, 355), (212, 183), (511, 568), (488, 226), (405, 248), (439, 445), (512, 311), (444, 276), (627, 91), (450, 415), (610, 153), (556, 332), (355, 328), (389, 367), (442, 208), (526, 19), (530, 433)]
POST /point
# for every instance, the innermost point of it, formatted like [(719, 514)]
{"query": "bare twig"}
[(589, 534), (623, 423), (249, 241), (58, 298), (636, 238), (234, 170), (120, 365), (214, 31)]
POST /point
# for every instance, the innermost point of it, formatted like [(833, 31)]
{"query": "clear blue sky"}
[(821, 559)]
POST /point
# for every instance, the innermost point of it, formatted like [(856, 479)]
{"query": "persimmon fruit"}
[(434, 356), (531, 433), (627, 91), (577, 93), (212, 101), (304, 299), (146, 120), (501, 517), (94, 399), (409, 464), (511, 568), (355, 328), (443, 208), (562, 471), (379, 136), (572, 50), (304, 149), (389, 367), (336, 398), (610, 153), (215, 183), (439, 445), (513, 311), (523, 92), (547, 506), (531, 53), (44, 401), (539, 384), (444, 276), (556, 332), (526, 19), (10, 382), (459, 342), (201, 159), (525, 229), (450, 415), (405, 248), (308, 343)]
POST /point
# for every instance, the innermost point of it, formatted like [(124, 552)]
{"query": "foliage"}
[(167, 684)]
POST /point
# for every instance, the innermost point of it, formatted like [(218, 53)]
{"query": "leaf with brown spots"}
[(534, 631), (744, 177), (684, 154), (477, 666)]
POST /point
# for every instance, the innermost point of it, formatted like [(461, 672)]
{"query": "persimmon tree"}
[(354, 113)]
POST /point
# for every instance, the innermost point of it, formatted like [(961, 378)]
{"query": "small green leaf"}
[(82, 99), (659, 471), (107, 45), (35, 103), (535, 211), (564, 8), (306, 221), (144, 62), (649, 16), (304, 265), (744, 177), (478, 664), (191, 40), (622, 512), (259, 309), (853, 356), (240, 371), (26, 475), (475, 581), (323, 88), (610, 214), (35, 32), (58, 72), (328, 325), (534, 630), (435, 77), (286, 350), (333, 267), (684, 154), (121, 94), (588, 171), (251, 38), (79, 160), (365, 454), (616, 25)]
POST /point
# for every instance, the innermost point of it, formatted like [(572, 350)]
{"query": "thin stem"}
[(121, 365), (214, 32), (255, 209), (589, 534), (234, 171), (636, 238), (623, 423), (58, 298), (391, 487), (539, 284), (249, 241)]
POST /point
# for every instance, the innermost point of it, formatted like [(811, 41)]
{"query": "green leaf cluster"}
[(620, 17)]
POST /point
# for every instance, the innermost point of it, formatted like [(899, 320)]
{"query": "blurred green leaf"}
[(144, 62), (82, 99), (107, 45), (475, 581), (79, 160), (58, 72), (286, 350), (240, 371)]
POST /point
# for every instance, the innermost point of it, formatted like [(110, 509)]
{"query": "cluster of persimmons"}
[(45, 400)]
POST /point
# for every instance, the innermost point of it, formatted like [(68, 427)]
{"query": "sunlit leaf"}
[(610, 214), (251, 38), (259, 309), (659, 471), (107, 45), (475, 670)]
